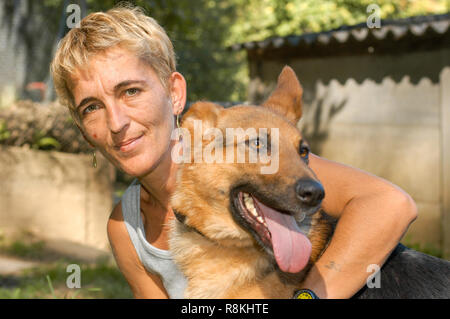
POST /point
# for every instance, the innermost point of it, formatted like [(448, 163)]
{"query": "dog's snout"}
[(309, 192)]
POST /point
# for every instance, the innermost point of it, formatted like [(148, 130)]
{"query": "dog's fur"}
[(223, 257)]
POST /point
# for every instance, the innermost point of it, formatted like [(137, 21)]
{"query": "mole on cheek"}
[(94, 135)]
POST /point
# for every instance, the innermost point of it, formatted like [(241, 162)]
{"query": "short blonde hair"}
[(126, 26)]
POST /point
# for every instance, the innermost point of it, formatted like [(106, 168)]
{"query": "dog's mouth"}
[(276, 231)]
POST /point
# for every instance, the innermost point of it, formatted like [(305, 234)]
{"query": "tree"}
[(260, 19), (201, 31)]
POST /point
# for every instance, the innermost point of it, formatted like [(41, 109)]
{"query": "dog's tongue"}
[(291, 248)]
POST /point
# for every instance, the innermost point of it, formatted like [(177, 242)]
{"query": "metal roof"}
[(413, 27)]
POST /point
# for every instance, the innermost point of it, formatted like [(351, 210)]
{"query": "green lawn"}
[(100, 279)]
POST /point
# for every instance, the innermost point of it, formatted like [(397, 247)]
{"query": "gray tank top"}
[(155, 260)]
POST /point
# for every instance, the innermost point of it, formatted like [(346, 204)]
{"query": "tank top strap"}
[(155, 260), (131, 213)]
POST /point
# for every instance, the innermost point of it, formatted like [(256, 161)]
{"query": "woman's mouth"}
[(129, 145)]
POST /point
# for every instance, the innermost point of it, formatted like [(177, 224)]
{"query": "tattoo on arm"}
[(332, 265)]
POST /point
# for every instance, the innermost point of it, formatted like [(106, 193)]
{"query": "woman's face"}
[(125, 111)]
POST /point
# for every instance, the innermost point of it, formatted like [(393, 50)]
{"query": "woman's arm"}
[(142, 283), (373, 216)]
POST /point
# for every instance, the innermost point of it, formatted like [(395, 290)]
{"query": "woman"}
[(117, 75)]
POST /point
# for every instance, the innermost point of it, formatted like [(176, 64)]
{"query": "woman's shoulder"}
[(116, 213), (115, 226), (118, 236), (116, 218)]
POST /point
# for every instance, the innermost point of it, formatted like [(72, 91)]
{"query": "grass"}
[(21, 249), (99, 279), (428, 249)]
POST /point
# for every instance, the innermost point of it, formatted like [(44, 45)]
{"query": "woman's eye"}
[(131, 92), (90, 108)]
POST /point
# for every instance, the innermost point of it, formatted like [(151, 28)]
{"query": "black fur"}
[(409, 274)]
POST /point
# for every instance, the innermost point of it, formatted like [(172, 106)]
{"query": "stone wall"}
[(55, 196)]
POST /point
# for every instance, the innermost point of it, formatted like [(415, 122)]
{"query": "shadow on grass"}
[(48, 279)]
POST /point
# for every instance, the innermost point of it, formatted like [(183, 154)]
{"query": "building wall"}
[(55, 196), (382, 114)]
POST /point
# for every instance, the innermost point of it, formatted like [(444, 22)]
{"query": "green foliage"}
[(4, 133), (202, 29), (425, 248), (101, 280), (199, 31), (47, 279), (43, 142), (24, 250), (259, 19), (67, 296)]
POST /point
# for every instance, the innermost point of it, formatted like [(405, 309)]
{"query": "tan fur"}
[(225, 261)]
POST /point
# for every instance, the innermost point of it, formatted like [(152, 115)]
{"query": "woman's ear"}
[(177, 92)]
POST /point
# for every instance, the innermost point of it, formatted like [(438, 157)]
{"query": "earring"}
[(94, 160), (178, 120)]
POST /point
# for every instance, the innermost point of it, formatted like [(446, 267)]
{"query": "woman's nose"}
[(117, 117)]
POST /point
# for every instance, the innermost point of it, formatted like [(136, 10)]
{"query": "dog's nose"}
[(309, 192)]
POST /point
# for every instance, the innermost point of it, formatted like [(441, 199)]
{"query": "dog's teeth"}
[(250, 205), (248, 201)]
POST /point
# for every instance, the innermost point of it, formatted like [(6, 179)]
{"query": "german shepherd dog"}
[(243, 234)]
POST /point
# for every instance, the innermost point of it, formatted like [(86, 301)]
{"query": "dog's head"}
[(268, 203)]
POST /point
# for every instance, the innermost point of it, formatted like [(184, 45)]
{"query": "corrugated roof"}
[(415, 27)]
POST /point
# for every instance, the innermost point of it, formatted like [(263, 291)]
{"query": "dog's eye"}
[(304, 152), (256, 143)]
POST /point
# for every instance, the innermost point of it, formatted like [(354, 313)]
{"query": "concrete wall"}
[(388, 115), (55, 196)]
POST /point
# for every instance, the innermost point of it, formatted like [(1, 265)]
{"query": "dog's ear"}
[(286, 99), (207, 112)]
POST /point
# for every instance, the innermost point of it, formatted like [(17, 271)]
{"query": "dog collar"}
[(305, 294)]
